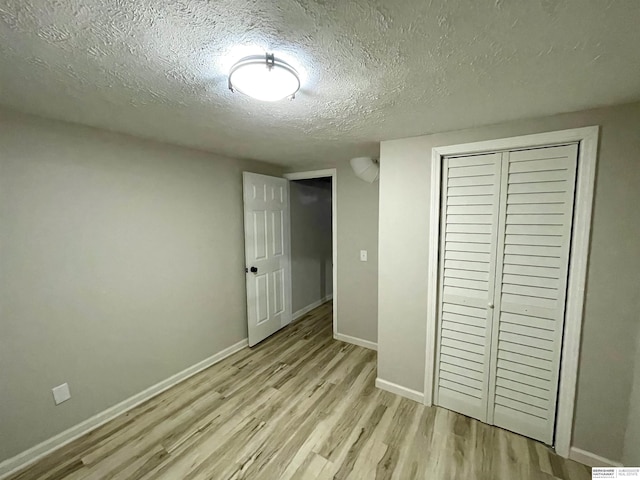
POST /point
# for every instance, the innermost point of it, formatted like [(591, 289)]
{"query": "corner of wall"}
[(631, 450)]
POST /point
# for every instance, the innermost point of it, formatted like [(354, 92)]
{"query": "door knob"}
[(254, 269), (490, 305)]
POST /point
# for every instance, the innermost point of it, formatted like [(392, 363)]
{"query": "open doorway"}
[(313, 245)]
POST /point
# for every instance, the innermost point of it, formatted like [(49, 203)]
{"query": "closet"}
[(504, 254)]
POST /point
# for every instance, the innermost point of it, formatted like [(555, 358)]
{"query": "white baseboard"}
[(591, 459), (400, 390), (356, 341), (35, 453), (303, 311)]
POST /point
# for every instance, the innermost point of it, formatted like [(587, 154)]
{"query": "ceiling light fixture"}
[(365, 168), (264, 77)]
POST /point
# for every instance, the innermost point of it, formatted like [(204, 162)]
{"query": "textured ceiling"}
[(371, 70)]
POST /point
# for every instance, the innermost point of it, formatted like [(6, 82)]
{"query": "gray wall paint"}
[(357, 288), (311, 242), (631, 455), (612, 300), (122, 264), (357, 230)]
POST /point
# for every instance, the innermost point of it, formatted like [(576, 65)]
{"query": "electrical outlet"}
[(61, 393), (363, 255)]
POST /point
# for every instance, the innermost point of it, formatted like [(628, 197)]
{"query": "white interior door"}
[(471, 198), (537, 198), (506, 235), (267, 254)]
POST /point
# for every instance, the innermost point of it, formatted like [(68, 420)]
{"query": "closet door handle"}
[(490, 305)]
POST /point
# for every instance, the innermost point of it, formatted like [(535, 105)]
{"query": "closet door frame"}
[(587, 138)]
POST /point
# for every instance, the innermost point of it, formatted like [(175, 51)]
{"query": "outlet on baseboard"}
[(61, 393)]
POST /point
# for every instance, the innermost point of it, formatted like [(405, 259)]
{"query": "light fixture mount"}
[(264, 77), (271, 60)]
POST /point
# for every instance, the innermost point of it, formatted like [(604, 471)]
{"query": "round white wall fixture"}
[(365, 168), (264, 77)]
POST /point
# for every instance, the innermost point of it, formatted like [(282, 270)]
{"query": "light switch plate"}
[(363, 255), (61, 393)]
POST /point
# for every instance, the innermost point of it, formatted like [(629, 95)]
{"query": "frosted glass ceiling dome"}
[(265, 78)]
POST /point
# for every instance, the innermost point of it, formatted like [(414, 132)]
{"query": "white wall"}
[(612, 300), (311, 242), (122, 264)]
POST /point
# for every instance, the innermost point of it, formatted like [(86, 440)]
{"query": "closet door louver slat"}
[(469, 233), (536, 205)]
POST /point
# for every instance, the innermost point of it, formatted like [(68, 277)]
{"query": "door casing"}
[(587, 138), (329, 172)]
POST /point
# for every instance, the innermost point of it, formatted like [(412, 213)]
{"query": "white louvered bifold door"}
[(470, 203), (504, 257), (536, 209)]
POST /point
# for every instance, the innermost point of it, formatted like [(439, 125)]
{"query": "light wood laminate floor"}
[(298, 406)]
